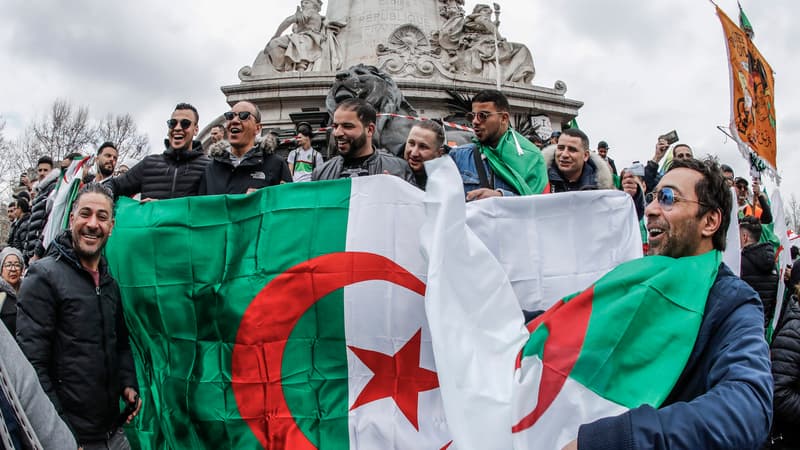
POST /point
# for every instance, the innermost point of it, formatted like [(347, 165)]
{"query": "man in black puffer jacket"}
[(22, 214), (758, 264), (174, 173), (245, 167), (71, 328)]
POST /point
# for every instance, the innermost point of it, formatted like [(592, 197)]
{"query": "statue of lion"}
[(381, 91)]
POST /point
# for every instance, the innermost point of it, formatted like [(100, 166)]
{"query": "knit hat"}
[(8, 251)]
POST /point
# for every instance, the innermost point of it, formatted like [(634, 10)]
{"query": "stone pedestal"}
[(371, 22)]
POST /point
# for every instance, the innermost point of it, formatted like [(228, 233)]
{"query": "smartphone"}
[(671, 137)]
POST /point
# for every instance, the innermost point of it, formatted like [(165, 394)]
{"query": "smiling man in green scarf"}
[(500, 161)]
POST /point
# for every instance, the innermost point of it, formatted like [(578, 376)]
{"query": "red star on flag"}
[(398, 376)]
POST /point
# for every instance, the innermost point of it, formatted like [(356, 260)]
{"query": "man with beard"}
[(353, 127), (71, 328), (723, 398), (246, 167), (174, 173), (500, 162), (105, 163)]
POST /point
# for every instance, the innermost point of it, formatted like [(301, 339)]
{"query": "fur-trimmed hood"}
[(603, 175)]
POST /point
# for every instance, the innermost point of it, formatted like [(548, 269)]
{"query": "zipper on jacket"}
[(174, 180), (109, 400)]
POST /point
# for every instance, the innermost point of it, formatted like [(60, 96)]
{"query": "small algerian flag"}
[(619, 344), (288, 318), (744, 23)]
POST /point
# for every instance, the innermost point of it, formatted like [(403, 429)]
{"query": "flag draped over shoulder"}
[(753, 98), (621, 343), (518, 161)]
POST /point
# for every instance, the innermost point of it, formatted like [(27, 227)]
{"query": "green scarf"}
[(518, 162)]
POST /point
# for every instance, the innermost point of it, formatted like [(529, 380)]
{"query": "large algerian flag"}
[(288, 318), (620, 343)]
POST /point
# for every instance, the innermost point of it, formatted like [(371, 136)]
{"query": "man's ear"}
[(711, 222)]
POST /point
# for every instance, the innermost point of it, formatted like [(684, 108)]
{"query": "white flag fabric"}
[(784, 255), (531, 252)]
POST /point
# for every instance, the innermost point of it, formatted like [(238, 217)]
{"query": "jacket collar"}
[(183, 155), (62, 247)]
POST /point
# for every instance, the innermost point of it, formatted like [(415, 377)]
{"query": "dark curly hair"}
[(712, 192)]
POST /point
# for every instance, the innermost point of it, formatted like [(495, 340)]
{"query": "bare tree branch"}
[(123, 132)]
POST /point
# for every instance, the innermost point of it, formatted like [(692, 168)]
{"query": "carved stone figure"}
[(381, 91), (469, 42), (312, 44)]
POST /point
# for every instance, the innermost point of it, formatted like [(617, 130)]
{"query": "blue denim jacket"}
[(462, 155)]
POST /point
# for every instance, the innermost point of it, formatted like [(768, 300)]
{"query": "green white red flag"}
[(294, 317), (620, 343), (288, 318)]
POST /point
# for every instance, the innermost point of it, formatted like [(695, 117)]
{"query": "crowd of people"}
[(62, 305)]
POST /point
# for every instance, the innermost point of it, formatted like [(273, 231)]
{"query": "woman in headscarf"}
[(11, 268)]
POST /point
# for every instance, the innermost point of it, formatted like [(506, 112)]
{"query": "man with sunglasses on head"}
[(353, 127), (246, 166), (723, 397), (174, 173), (500, 162)]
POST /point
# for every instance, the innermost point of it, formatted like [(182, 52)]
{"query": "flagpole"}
[(496, 44)]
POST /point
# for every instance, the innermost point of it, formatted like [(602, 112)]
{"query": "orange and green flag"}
[(753, 124)]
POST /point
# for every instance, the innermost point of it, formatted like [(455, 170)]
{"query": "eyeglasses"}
[(243, 115), (666, 198), (480, 115), (185, 123), (10, 265)]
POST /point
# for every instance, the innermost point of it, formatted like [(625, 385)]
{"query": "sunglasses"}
[(243, 115), (184, 123), (480, 115), (666, 198)]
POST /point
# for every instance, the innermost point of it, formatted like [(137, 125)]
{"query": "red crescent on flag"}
[(567, 324), (270, 319)]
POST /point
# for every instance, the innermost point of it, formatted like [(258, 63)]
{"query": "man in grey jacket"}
[(353, 127)]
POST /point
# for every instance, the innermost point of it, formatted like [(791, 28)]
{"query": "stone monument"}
[(429, 47)]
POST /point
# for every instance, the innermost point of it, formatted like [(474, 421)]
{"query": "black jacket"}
[(651, 176), (75, 336), (256, 170), (8, 313), (172, 174), (19, 229), (39, 213), (14, 234), (758, 270), (785, 355)]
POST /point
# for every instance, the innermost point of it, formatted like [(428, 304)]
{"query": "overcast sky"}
[(641, 67)]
